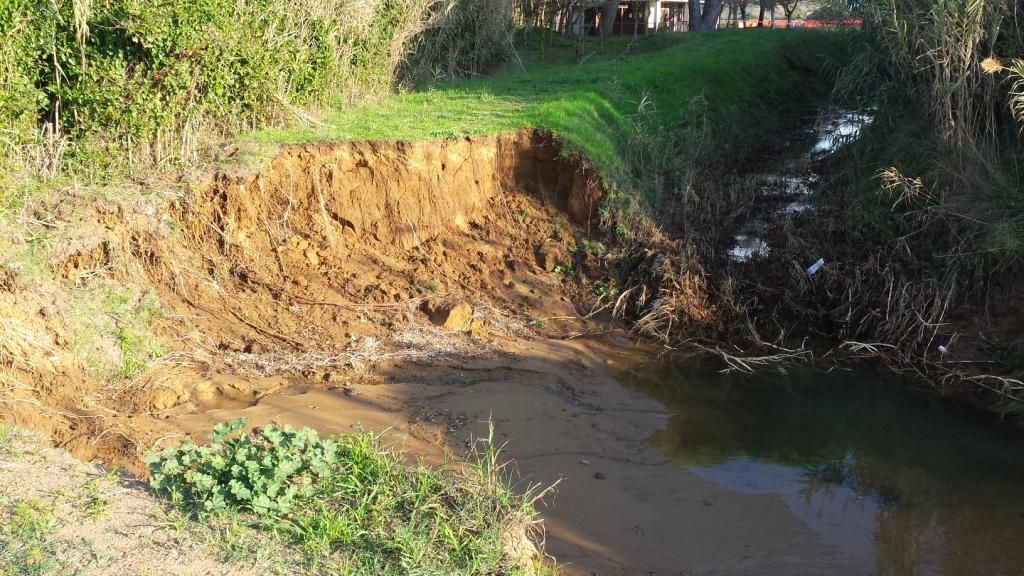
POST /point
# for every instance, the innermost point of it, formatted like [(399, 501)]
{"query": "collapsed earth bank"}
[(331, 259)]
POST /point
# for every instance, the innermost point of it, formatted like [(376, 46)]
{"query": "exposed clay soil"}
[(313, 268), (309, 293)]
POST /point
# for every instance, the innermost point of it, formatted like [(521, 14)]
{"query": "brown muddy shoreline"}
[(617, 507)]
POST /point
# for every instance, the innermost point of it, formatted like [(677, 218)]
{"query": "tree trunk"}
[(581, 35), (608, 11), (760, 17), (708, 20), (637, 18), (712, 13), (694, 21)]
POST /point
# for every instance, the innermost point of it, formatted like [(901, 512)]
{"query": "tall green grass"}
[(945, 151)]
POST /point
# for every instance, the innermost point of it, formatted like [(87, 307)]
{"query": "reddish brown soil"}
[(301, 274)]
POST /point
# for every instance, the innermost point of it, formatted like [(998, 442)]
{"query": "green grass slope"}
[(746, 81)]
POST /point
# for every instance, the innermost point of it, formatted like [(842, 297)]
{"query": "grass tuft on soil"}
[(353, 505)]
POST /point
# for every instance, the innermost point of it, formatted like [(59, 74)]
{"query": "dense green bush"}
[(22, 36), (152, 78), (20, 40)]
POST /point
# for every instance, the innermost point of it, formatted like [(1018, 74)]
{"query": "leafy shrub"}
[(133, 82), (262, 472), (151, 78), (21, 37)]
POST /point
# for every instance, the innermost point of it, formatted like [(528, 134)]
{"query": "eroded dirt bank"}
[(412, 288), (329, 259)]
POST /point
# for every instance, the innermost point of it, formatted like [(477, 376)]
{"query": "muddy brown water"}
[(894, 480), (671, 467)]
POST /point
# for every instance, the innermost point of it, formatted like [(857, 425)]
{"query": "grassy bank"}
[(931, 194), (919, 221), (945, 149), (739, 82)]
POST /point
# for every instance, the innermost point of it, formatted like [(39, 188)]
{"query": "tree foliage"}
[(149, 80)]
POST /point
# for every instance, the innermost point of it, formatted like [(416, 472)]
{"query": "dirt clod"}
[(548, 256), (163, 398), (312, 257), (450, 315)]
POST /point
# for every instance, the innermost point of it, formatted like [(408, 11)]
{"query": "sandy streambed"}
[(619, 506)]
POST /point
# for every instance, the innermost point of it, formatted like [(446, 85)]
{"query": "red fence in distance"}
[(800, 23)]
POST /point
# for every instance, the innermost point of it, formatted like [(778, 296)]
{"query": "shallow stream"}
[(895, 479), (787, 185)]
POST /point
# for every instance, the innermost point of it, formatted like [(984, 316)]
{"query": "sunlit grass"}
[(592, 106), (359, 507)]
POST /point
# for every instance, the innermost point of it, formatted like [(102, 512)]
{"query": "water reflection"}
[(790, 189), (748, 245), (895, 479), (838, 129)]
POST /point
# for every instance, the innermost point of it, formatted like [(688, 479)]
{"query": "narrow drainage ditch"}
[(788, 188)]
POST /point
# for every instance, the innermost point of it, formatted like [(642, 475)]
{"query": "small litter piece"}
[(813, 269), (942, 349)]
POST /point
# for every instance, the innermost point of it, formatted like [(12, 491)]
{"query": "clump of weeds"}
[(351, 504)]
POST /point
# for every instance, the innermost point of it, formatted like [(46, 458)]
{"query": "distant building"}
[(669, 16), (641, 17)]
